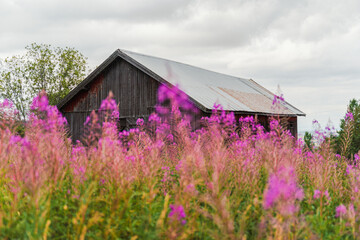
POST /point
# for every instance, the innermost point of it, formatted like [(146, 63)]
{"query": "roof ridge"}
[(186, 64)]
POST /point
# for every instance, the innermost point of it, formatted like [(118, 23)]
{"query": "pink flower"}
[(6, 104), (178, 166), (278, 99), (109, 108), (282, 192), (340, 210), (14, 139), (154, 118), (274, 124), (326, 193), (349, 116), (130, 159), (170, 137), (191, 189), (171, 100), (317, 194), (87, 120), (40, 102), (177, 212), (348, 169), (108, 104), (140, 122)]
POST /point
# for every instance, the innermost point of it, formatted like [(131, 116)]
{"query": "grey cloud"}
[(310, 47), (134, 11)]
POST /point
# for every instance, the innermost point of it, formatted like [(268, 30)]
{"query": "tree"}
[(53, 69), (308, 137), (13, 85), (348, 140)]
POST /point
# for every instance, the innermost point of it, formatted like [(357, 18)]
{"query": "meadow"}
[(161, 180)]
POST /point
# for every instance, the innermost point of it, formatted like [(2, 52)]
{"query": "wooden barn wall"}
[(134, 92), (288, 122)]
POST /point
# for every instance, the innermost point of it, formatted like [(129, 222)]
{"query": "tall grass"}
[(227, 180)]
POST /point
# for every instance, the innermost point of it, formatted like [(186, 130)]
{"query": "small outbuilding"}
[(135, 78)]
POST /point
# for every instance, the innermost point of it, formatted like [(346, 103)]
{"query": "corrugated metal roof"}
[(208, 87)]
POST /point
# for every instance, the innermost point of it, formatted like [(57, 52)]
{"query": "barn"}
[(134, 79)]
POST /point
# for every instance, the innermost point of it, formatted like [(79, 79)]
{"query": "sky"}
[(310, 48)]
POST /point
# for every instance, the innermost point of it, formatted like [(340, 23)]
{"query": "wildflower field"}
[(227, 180)]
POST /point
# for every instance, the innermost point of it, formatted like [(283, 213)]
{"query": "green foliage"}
[(348, 140), (43, 67), (13, 84), (308, 140), (20, 129)]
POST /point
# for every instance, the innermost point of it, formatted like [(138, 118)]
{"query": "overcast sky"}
[(310, 48)]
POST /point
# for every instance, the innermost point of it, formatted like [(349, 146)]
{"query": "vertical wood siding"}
[(134, 91)]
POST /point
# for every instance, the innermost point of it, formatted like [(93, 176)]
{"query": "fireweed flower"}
[(319, 135), (229, 119), (274, 124), (140, 122), (6, 103), (14, 139), (340, 211), (40, 102), (317, 194), (326, 194), (174, 104), (44, 116), (170, 137), (130, 159), (167, 174), (177, 213), (79, 171), (349, 168), (178, 166), (108, 104), (282, 192), (163, 130), (87, 121), (329, 131), (221, 117), (109, 128), (109, 108), (349, 116), (277, 104), (54, 118), (7, 110), (175, 95), (154, 118), (191, 189), (278, 99)]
